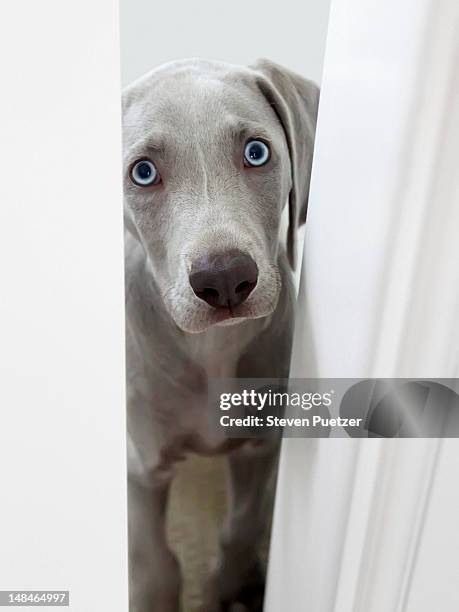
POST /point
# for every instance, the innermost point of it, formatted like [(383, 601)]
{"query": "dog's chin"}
[(199, 320), (230, 322)]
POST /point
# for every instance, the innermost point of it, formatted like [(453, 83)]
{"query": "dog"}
[(212, 154)]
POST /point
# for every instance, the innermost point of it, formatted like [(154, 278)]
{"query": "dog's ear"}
[(295, 100)]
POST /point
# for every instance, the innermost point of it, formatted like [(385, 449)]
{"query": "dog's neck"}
[(219, 349)]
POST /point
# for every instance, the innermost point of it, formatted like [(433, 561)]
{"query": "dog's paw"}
[(246, 597), (249, 598), (237, 607)]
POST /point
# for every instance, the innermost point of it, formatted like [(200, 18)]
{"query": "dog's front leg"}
[(154, 573), (237, 578)]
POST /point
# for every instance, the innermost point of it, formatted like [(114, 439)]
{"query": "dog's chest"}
[(213, 355), (197, 414)]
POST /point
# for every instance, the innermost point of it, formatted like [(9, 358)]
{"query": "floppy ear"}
[(295, 101)]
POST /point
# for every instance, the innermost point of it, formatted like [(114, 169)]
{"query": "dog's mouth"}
[(216, 300), (230, 315), (201, 320)]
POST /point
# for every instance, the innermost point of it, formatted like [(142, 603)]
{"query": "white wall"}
[(291, 32)]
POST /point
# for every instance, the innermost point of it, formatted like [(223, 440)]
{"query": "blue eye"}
[(256, 153), (144, 173)]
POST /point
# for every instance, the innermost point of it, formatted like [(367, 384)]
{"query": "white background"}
[(291, 32)]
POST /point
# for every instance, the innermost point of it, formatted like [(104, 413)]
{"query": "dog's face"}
[(207, 172)]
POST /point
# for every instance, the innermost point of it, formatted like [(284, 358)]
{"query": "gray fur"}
[(192, 119)]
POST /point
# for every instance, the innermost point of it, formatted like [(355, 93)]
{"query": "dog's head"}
[(212, 153)]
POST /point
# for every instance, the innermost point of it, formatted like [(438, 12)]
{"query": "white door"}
[(372, 525)]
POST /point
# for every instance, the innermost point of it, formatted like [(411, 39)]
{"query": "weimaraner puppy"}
[(212, 154)]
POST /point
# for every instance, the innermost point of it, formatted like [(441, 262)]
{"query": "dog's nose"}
[(224, 280)]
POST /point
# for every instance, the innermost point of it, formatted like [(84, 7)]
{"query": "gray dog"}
[(212, 154)]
